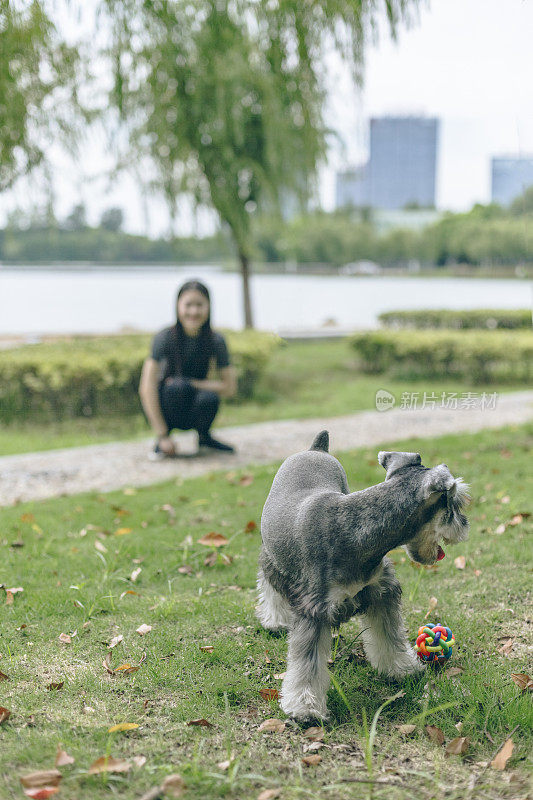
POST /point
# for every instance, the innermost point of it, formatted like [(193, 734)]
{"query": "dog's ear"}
[(439, 479), (392, 461), (321, 442)]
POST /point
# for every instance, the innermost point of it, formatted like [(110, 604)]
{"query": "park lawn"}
[(76, 558), (303, 379)]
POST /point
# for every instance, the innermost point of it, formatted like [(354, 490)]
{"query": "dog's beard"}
[(448, 525)]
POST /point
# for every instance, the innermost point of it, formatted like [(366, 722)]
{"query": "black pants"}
[(187, 408)]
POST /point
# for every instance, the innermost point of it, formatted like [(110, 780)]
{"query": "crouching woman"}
[(174, 389)]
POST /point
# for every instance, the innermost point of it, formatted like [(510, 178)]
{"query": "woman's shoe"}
[(206, 440)]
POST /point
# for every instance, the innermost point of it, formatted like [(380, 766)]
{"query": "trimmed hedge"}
[(88, 376), (481, 357), (487, 318)]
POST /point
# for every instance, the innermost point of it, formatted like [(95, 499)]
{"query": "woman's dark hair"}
[(205, 336)]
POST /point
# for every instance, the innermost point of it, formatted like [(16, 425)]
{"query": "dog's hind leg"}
[(305, 686), (272, 610), (384, 635)]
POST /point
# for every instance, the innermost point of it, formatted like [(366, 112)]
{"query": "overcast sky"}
[(467, 62)]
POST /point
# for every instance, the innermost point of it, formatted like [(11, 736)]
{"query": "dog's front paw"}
[(397, 664), (303, 706), (404, 664)]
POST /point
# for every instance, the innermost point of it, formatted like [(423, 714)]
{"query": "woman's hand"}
[(167, 446), (225, 387)]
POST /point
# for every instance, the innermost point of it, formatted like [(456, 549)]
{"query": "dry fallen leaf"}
[(124, 669), (123, 531), (63, 758), (9, 598), (4, 714), (55, 686), (139, 761), (407, 730), (4, 677), (279, 676), (135, 574), (65, 638), (143, 629), (213, 539), (128, 591), (246, 480), (211, 559), (523, 681), (314, 734), (121, 512), (460, 562), (269, 694), (311, 761), (269, 794), (500, 529), (115, 640), (42, 778), (173, 786), (313, 747), (500, 760), (207, 648), (458, 746), (505, 499), (202, 723), (434, 734), (453, 671), (122, 726), (507, 646), (250, 526), (272, 726), (109, 764), (185, 569)]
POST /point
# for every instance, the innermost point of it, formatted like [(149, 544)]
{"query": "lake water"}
[(98, 300)]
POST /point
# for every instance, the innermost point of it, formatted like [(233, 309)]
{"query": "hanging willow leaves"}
[(226, 100)]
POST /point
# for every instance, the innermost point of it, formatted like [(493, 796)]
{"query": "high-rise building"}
[(510, 178), (401, 170), (352, 187), (403, 158)]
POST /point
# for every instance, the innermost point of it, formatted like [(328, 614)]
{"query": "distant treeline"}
[(485, 236)]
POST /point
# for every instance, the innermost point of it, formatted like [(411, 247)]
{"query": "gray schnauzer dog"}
[(323, 560)]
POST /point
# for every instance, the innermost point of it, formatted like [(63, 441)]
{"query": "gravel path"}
[(104, 467)]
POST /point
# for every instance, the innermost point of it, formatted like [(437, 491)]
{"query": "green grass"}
[(303, 380), (48, 548)]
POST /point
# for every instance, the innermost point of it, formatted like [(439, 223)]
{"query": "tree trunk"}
[(245, 270)]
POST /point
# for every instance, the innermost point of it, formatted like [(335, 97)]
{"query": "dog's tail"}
[(321, 442)]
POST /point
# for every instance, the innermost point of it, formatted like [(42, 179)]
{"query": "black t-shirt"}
[(193, 365)]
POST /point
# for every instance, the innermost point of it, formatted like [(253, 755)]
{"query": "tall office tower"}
[(403, 160), (510, 178), (352, 187)]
